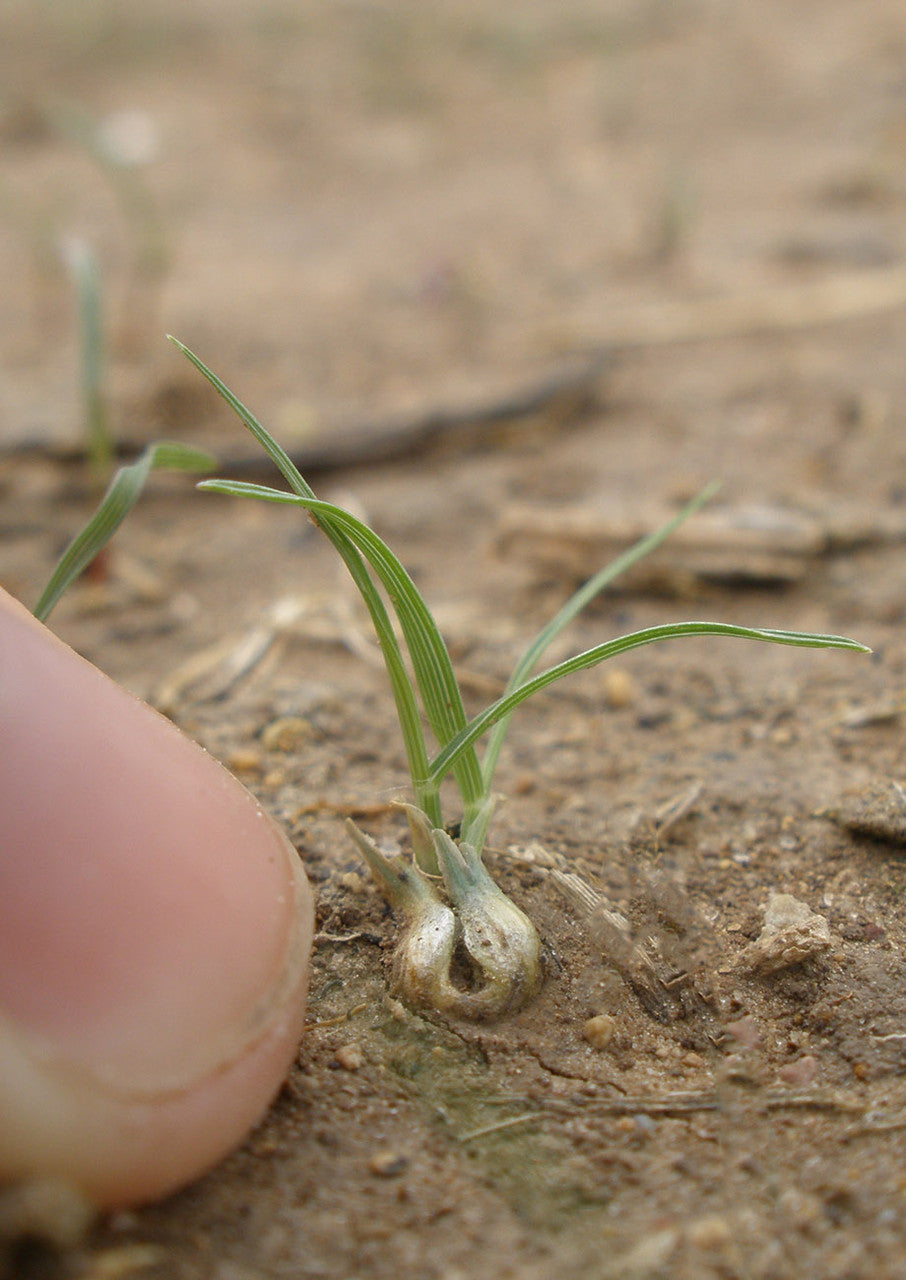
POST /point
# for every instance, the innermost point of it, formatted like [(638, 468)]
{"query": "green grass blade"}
[(431, 663), (430, 659), (445, 760), (403, 691), (170, 455), (574, 606), (122, 493), (278, 456)]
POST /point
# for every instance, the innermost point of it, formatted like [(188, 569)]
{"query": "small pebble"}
[(792, 933), (877, 810), (745, 1032), (620, 689), (350, 1057), (286, 733), (244, 760), (599, 1031), (709, 1232), (388, 1164), (123, 1262), (801, 1072), (801, 1208), (649, 1256)]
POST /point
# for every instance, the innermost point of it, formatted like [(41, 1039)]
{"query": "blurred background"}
[(368, 206)]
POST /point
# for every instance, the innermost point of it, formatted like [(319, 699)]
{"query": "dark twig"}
[(556, 400)]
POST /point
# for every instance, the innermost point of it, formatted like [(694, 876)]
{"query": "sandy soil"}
[(361, 214)]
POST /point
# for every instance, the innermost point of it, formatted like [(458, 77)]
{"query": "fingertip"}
[(155, 929)]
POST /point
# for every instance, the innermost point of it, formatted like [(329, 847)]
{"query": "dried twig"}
[(678, 807), (510, 1123), (673, 1104), (571, 392), (566, 395), (337, 1021)]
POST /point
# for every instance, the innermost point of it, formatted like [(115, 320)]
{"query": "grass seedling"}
[(122, 493), (474, 918), (87, 550), (39, 223), (82, 264)]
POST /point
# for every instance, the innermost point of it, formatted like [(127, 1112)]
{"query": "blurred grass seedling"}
[(122, 494), (85, 273), (475, 917), (118, 147), (88, 552)]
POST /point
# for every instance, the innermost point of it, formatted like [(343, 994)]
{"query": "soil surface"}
[(374, 218)]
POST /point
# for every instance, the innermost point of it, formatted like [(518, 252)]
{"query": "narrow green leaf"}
[(278, 456), (445, 760), (434, 670), (403, 691), (121, 496), (431, 663), (574, 606), (170, 455)]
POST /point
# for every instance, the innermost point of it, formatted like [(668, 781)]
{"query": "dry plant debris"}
[(792, 934), (764, 545)]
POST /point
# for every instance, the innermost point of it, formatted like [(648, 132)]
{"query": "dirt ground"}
[(397, 217)]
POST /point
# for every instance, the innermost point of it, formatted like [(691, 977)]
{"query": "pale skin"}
[(155, 929)]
